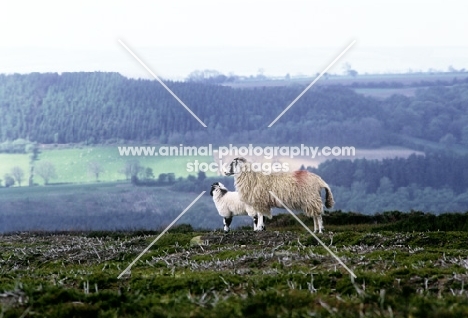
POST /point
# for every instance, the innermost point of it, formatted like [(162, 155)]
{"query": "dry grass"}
[(277, 273)]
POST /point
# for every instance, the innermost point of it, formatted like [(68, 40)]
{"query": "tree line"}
[(435, 182), (436, 170)]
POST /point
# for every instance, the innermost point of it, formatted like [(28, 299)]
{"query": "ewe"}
[(228, 205), (298, 190)]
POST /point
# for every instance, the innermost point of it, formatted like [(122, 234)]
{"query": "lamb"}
[(298, 190), (228, 205)]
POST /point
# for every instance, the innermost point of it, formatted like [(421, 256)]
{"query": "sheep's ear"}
[(211, 192)]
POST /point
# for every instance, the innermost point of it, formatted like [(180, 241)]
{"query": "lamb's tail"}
[(329, 202)]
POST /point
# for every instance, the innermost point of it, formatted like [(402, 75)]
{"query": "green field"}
[(277, 273), (72, 164), (8, 161)]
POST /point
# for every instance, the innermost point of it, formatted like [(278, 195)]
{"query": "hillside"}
[(103, 206), (107, 107)]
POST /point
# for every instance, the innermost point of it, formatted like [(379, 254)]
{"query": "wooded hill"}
[(107, 107)]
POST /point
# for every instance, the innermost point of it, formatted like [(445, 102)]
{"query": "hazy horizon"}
[(178, 63), (178, 37)]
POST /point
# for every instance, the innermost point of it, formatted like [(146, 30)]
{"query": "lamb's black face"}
[(214, 186), (235, 166), (218, 186)]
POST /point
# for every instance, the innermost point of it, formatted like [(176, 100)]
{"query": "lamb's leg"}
[(260, 225), (227, 223), (255, 221)]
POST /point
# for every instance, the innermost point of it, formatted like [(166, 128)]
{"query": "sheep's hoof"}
[(226, 230)]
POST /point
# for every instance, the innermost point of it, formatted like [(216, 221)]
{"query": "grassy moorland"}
[(282, 272)]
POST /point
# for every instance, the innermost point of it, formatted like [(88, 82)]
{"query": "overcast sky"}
[(176, 37)]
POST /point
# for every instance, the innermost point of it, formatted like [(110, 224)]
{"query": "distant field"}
[(382, 93), (405, 79), (427, 144), (8, 161), (371, 154), (72, 164)]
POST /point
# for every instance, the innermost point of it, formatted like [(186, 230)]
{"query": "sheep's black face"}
[(235, 166)]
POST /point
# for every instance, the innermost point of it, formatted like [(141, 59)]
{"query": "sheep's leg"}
[(227, 223), (320, 223), (315, 223), (255, 221)]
